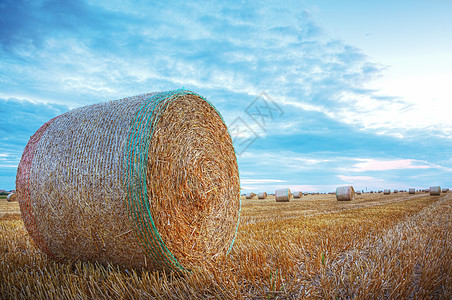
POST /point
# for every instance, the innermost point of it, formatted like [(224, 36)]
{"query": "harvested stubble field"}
[(395, 246)]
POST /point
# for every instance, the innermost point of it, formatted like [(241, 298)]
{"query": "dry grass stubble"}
[(398, 249)]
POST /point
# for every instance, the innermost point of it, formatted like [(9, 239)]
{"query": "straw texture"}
[(345, 193), (250, 195), (11, 197), (147, 181), (435, 190), (297, 194), (24, 191), (262, 195), (282, 195)]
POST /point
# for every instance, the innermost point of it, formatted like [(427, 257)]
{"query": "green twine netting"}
[(134, 178)]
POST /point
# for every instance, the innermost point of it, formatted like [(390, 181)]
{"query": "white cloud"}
[(271, 188), (309, 188), (9, 166), (259, 181), (358, 178), (232, 51), (384, 165), (283, 159)]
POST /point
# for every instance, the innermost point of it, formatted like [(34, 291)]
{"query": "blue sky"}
[(346, 93)]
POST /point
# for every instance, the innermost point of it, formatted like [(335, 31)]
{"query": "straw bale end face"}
[(297, 194), (345, 193), (11, 197), (283, 195), (148, 181), (250, 195), (262, 195), (435, 191)]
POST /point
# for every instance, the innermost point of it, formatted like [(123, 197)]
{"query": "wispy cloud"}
[(384, 165), (21, 118), (67, 54), (260, 181), (354, 179)]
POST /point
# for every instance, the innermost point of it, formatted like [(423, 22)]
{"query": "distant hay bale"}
[(345, 193), (282, 195), (149, 181), (396, 191), (11, 197), (250, 195), (262, 195), (387, 191), (297, 194), (412, 191), (435, 190), (358, 192), (445, 190)]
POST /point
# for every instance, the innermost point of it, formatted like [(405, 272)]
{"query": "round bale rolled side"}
[(130, 182), (387, 191), (297, 194), (412, 191), (12, 197), (345, 193), (282, 195), (262, 195), (435, 190)]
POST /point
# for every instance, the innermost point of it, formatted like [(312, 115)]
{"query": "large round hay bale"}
[(262, 195), (12, 197), (387, 191), (412, 191), (147, 181), (250, 195), (297, 194), (345, 193), (282, 195), (435, 190)]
